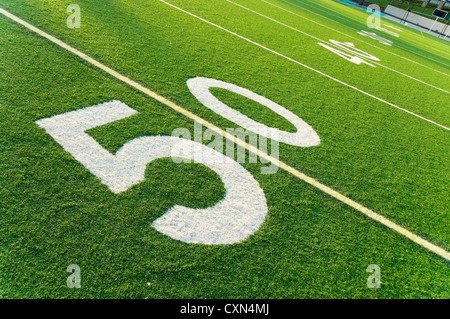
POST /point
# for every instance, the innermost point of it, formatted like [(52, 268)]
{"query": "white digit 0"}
[(304, 137)]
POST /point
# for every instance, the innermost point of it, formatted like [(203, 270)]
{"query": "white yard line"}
[(352, 37), (358, 30), (323, 9), (332, 44), (306, 66), (367, 212)]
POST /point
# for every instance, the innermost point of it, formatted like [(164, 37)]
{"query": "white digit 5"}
[(238, 215)]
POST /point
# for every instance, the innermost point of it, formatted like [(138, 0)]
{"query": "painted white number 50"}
[(351, 53)]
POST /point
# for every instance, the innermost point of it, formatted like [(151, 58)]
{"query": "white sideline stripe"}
[(328, 43), (306, 66), (325, 26), (369, 213)]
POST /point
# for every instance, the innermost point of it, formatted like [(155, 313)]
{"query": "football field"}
[(171, 149)]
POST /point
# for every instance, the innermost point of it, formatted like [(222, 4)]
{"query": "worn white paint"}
[(347, 56)]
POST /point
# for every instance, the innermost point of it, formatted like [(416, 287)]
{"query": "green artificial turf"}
[(54, 212)]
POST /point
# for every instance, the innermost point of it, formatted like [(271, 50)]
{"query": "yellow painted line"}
[(369, 213)]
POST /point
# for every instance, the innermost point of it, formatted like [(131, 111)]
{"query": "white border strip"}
[(316, 5), (418, 240), (306, 66), (332, 44)]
